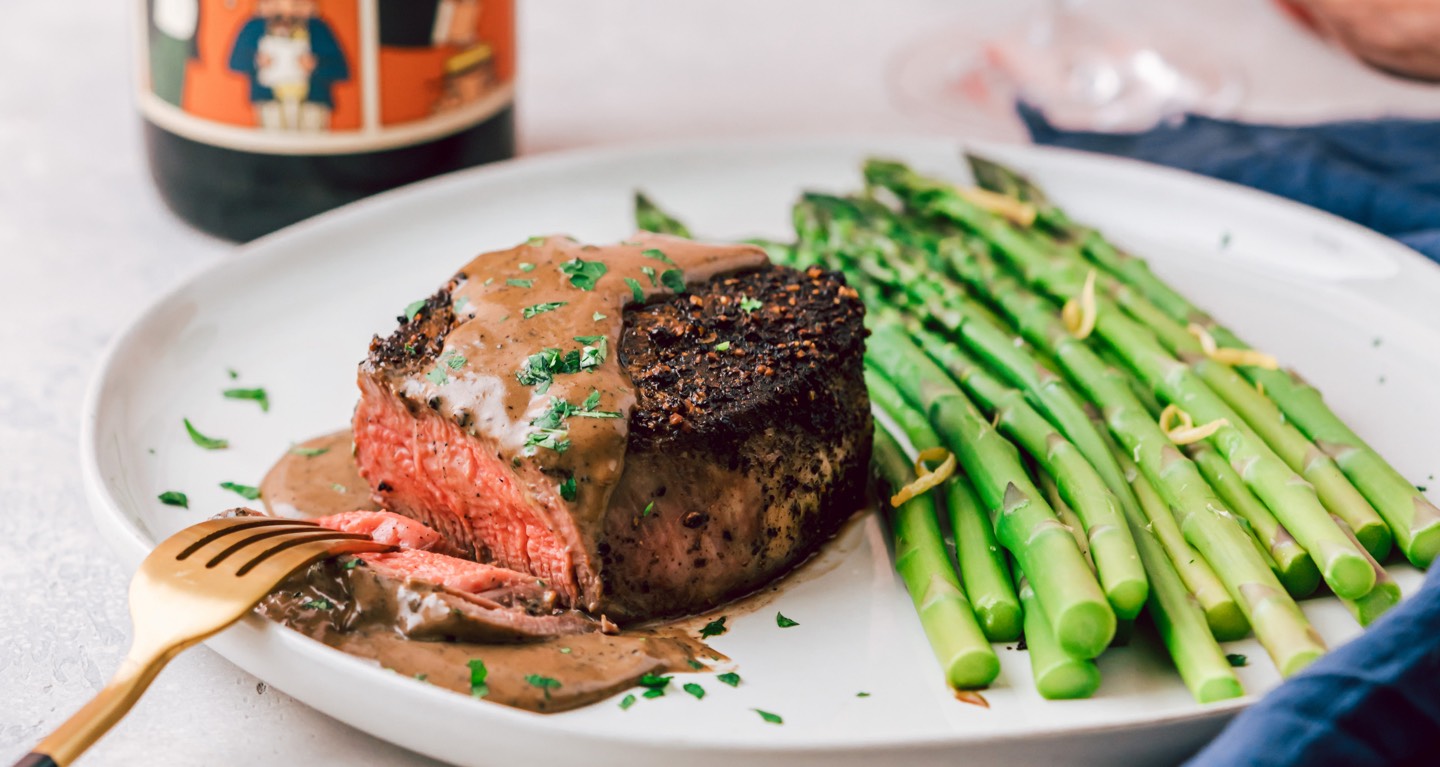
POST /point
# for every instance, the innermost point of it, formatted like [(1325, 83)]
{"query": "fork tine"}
[(253, 537), (219, 539), (276, 565), (171, 547), (327, 545)]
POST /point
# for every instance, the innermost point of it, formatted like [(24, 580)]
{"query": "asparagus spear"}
[(1262, 416), (1058, 674), (1412, 518), (1385, 595), (650, 218), (1111, 546), (1222, 614), (959, 644), (1300, 576), (984, 569), (1204, 519), (1341, 563), (1067, 516), (1024, 524)]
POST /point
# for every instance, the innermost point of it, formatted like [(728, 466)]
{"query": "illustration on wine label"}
[(324, 76)]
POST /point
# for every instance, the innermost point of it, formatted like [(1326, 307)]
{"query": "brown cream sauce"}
[(588, 667)]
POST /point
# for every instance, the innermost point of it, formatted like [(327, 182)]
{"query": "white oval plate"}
[(293, 313)]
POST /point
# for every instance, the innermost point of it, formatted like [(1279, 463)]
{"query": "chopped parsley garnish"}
[(554, 439), (209, 443), (455, 362), (258, 395), (654, 683), (413, 308), (674, 279), (538, 239), (534, 309), (694, 689), (234, 374), (565, 650), (248, 492), (550, 429), (649, 271), (593, 401), (626, 702), (440, 375), (723, 346), (657, 254), (421, 677), (437, 376), (175, 498), (309, 452), (783, 622), (526, 266), (460, 304), (695, 664), (318, 604), (539, 369), (352, 563), (729, 677), (544, 683), (769, 717), (592, 356), (649, 509), (488, 281), (862, 694), (1237, 660), (653, 693), (567, 488), (478, 674), (584, 274), (339, 488), (597, 316), (589, 339), (748, 304), (518, 283), (635, 290), (714, 628)]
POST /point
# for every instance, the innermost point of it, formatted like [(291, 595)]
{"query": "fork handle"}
[(112, 703)]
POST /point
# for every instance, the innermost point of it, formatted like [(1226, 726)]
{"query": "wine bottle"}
[(260, 113)]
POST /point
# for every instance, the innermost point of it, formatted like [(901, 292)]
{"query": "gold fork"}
[(195, 583)]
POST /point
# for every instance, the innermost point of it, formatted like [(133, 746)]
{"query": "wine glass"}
[(1081, 69)]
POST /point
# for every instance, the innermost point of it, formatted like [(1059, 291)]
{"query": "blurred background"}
[(86, 241)]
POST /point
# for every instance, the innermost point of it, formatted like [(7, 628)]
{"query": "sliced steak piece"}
[(747, 447)]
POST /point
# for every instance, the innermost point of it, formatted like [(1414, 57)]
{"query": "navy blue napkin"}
[(1383, 174), (1376, 700)]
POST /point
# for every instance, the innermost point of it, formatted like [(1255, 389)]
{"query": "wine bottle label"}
[(323, 76)]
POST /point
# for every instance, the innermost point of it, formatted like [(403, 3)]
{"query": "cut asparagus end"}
[(1068, 681), (1085, 628), (1424, 545), (1227, 622), (1347, 571), (1218, 688), (1375, 536), (1302, 578), (1001, 620), (1297, 661), (972, 669)]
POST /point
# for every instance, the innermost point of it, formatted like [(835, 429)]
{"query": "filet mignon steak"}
[(724, 431)]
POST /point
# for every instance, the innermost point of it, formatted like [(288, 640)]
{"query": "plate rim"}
[(130, 542)]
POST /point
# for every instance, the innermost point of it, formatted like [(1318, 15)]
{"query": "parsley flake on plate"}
[(729, 677), (174, 498), (714, 628), (769, 717), (248, 492), (258, 395), (1237, 660), (626, 702), (534, 309), (478, 675), (783, 622), (209, 443), (694, 689)]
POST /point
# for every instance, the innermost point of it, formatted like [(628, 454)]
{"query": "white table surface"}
[(85, 243)]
